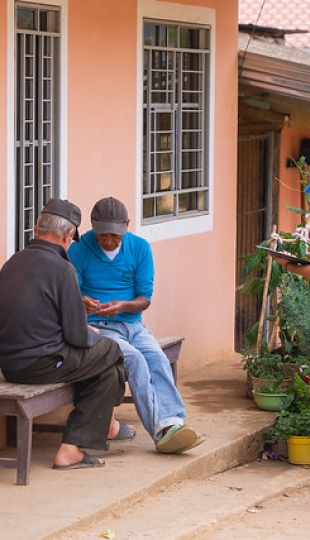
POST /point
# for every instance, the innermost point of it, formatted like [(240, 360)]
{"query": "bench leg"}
[(24, 448), (174, 367), (11, 428)]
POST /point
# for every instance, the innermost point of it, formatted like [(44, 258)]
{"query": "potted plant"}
[(269, 398), (293, 311), (264, 368), (293, 422), (286, 322)]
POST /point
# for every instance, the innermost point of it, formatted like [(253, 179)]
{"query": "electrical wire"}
[(253, 31)]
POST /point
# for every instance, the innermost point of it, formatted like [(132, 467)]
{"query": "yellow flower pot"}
[(298, 450)]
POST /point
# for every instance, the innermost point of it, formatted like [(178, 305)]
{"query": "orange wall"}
[(290, 187)]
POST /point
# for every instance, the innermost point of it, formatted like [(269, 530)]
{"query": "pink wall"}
[(195, 275), (102, 102), (194, 287), (3, 132)]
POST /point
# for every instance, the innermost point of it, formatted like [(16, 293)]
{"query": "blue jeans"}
[(156, 398)]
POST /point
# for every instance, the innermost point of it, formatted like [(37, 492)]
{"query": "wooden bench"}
[(21, 403)]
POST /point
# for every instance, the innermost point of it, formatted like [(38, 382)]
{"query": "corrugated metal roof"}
[(284, 14)]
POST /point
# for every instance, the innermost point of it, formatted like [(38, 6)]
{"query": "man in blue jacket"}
[(45, 338), (116, 275)]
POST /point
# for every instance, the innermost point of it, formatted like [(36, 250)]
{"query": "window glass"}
[(175, 121)]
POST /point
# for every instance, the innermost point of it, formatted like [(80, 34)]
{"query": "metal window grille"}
[(175, 121), (36, 113)]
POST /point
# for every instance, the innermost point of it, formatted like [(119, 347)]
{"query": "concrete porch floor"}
[(56, 501)]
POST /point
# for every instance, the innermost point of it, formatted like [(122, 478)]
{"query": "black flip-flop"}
[(87, 461), (124, 433)]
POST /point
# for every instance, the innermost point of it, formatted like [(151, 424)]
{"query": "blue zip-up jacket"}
[(129, 275)]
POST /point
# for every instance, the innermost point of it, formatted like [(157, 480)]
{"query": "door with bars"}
[(257, 211), (37, 52)]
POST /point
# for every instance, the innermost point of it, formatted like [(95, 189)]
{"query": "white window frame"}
[(11, 193), (165, 11)]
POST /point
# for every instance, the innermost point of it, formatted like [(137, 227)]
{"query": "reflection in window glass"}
[(190, 180), (49, 21), (163, 142), (26, 19), (172, 36), (163, 162), (164, 205), (163, 182), (192, 201), (28, 198), (148, 208)]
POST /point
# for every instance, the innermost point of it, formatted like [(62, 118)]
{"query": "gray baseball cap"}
[(109, 216), (65, 209)]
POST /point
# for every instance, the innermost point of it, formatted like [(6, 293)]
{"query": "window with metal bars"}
[(37, 30), (176, 73)]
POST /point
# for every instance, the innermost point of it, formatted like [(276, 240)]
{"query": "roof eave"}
[(275, 73)]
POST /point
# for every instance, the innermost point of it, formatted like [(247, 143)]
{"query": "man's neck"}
[(53, 239)]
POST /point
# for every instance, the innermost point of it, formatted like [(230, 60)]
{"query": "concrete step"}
[(220, 506), (163, 493)]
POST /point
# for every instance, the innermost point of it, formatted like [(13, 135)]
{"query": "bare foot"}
[(69, 454), (114, 428)]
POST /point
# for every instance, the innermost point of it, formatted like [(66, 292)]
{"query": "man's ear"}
[(67, 238), (35, 231)]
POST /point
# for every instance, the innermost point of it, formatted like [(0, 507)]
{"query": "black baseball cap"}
[(65, 209), (109, 216)]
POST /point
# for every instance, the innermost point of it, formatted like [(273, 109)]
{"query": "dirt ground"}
[(284, 517), (235, 504)]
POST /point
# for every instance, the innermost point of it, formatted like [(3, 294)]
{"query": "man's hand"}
[(110, 309), (96, 330), (90, 304)]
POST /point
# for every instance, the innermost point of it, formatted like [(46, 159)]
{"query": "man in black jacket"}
[(44, 336)]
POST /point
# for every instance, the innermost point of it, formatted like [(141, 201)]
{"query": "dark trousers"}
[(99, 381)]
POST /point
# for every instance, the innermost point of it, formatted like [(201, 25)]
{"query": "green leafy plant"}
[(291, 423), (286, 314), (274, 389), (297, 396), (254, 272), (294, 321), (263, 364), (289, 309), (294, 418)]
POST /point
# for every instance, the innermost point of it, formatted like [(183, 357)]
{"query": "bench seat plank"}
[(25, 391)]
